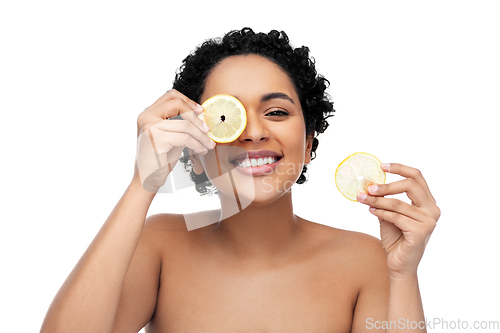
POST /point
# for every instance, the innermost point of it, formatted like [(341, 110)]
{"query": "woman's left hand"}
[(404, 229)]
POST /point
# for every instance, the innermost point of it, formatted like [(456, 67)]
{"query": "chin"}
[(267, 190), (249, 191)]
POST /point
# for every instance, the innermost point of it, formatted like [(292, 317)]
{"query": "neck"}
[(259, 231)]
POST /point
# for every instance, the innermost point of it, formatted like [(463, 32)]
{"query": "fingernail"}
[(372, 209), (372, 188), (385, 166), (361, 196), (213, 143), (198, 109), (205, 126)]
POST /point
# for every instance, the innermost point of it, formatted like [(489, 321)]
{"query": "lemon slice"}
[(226, 117), (356, 173)]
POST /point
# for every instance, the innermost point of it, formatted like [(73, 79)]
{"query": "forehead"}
[(246, 76)]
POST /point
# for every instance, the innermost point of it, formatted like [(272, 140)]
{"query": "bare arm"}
[(388, 304), (373, 298), (385, 303), (115, 272), (405, 230), (405, 306), (88, 299)]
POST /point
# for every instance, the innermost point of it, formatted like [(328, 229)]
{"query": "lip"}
[(259, 170), (254, 154)]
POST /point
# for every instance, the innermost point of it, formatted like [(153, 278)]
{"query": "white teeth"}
[(257, 162)]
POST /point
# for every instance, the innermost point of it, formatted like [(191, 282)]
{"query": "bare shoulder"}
[(165, 222), (170, 231), (356, 251), (348, 239), (161, 229), (168, 222)]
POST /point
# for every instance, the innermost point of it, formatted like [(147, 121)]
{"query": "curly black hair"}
[(310, 86)]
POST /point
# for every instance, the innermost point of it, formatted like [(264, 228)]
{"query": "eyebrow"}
[(274, 95)]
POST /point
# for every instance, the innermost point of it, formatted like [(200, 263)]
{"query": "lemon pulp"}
[(225, 116), (356, 173)]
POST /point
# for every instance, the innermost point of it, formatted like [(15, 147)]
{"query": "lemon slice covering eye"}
[(226, 117), (356, 173)]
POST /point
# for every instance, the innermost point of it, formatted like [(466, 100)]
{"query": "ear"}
[(197, 166), (309, 144)]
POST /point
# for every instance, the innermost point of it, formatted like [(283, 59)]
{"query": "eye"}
[(277, 113)]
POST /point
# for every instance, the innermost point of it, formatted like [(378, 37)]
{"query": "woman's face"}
[(275, 129)]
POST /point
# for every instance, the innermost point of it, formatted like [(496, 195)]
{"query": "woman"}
[(261, 268)]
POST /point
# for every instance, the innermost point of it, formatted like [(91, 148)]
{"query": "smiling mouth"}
[(256, 162)]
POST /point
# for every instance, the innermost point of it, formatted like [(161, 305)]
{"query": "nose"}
[(255, 130)]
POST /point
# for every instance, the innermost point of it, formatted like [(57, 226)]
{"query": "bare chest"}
[(198, 294)]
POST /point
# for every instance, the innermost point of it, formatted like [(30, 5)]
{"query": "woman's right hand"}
[(161, 139)]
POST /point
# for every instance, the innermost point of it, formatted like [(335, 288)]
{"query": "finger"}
[(175, 94), (393, 205), (413, 190), (185, 140), (165, 141), (195, 120), (408, 172), (404, 223), (184, 126), (420, 231), (186, 113), (175, 106), (171, 109)]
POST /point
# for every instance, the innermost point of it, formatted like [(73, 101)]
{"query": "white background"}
[(413, 82)]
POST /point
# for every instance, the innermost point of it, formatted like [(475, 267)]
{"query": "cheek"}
[(293, 141), (221, 172)]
